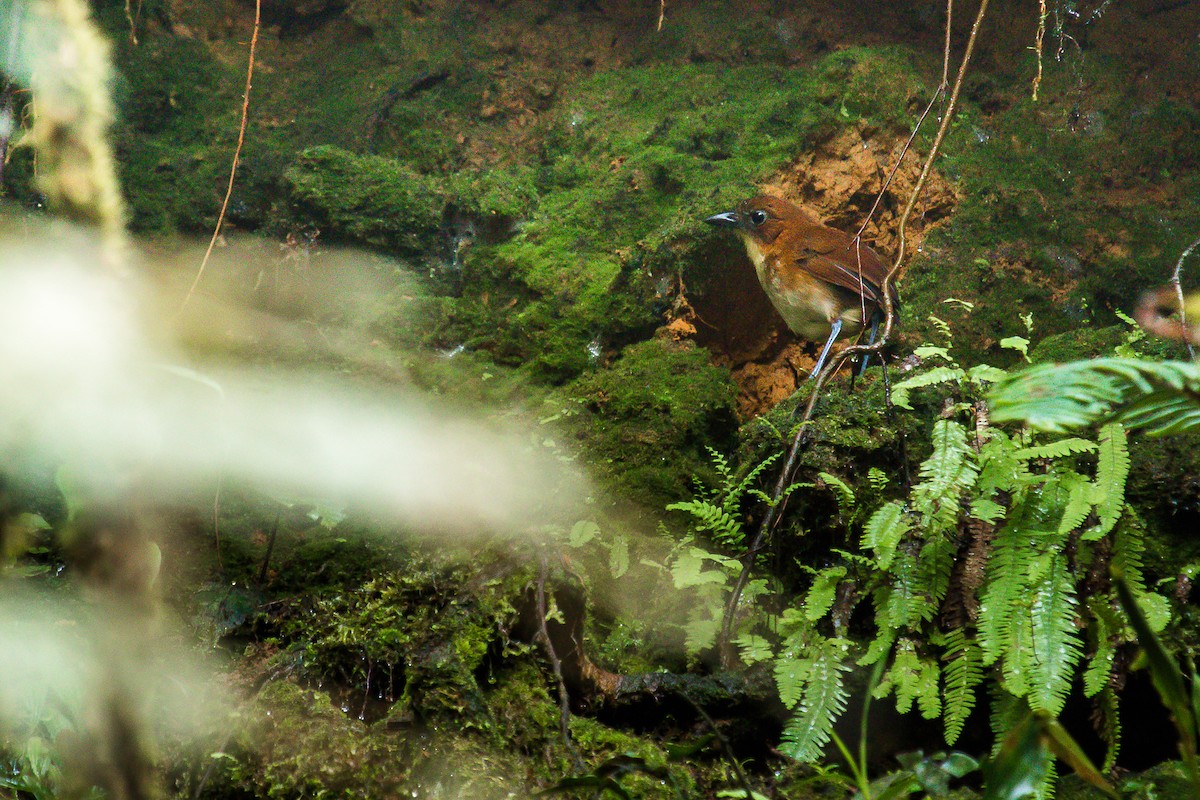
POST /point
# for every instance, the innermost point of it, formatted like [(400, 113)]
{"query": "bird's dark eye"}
[(758, 217)]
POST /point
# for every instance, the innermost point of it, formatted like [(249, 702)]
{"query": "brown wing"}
[(832, 256)]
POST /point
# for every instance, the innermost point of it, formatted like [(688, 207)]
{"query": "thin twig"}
[(1037, 45), (236, 155), (564, 699), (216, 512), (1177, 282), (662, 13), (835, 362), (132, 23), (266, 562), (941, 90), (725, 746)]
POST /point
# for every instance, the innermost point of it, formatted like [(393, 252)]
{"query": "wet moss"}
[(1046, 223), (416, 637), (647, 418), (377, 201), (295, 742)]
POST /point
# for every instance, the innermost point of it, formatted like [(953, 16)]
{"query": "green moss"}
[(1044, 224), (375, 200), (416, 637), (648, 417), (296, 742)]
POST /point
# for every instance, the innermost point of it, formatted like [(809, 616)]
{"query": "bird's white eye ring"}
[(758, 217)]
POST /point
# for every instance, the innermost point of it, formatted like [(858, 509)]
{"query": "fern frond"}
[(753, 648), (823, 701), (1102, 631), (905, 605), (999, 468), (1055, 644), (1110, 727), (700, 634), (883, 532), (735, 492), (1112, 470), (724, 527), (931, 378), (688, 570), (1059, 449), (912, 678), (987, 510), (792, 668), (962, 674), (946, 474), (934, 567), (842, 490), (1007, 574), (720, 464), (1080, 492), (823, 592), (877, 478), (1157, 397)]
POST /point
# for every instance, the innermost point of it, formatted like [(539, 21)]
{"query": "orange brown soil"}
[(838, 182)]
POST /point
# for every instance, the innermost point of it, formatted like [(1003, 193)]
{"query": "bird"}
[(821, 280)]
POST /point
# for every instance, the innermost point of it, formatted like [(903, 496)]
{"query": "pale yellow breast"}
[(808, 306)]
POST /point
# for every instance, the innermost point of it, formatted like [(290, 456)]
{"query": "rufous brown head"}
[(761, 218)]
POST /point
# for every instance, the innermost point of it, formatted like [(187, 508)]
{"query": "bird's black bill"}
[(726, 220)]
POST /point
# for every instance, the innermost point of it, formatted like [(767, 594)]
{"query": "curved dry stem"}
[(835, 362), (1177, 282), (237, 153)]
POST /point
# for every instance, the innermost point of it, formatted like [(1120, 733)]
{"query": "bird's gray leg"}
[(833, 334)]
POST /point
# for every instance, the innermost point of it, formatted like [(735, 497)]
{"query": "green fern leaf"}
[(1079, 503), (1110, 727), (1112, 470), (877, 478), (912, 678), (792, 669), (1103, 628), (823, 701), (962, 674), (987, 510), (823, 592), (905, 606), (1158, 397), (883, 532), (1017, 667), (843, 492), (688, 570), (1007, 589), (753, 648), (724, 527), (735, 492), (1055, 644), (934, 566), (880, 646), (1059, 449), (932, 377), (946, 474)]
